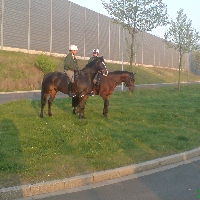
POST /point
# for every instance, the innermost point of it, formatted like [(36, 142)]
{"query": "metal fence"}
[(53, 25)]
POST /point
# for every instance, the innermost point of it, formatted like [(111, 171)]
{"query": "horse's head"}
[(130, 81), (102, 66)]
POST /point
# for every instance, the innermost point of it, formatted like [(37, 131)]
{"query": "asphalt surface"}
[(14, 96), (180, 181), (36, 94)]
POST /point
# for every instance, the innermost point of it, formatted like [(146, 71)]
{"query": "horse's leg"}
[(82, 103), (105, 96), (50, 101), (74, 111), (105, 109), (43, 102), (75, 102)]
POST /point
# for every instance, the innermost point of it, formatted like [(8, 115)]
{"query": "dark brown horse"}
[(108, 84), (57, 81)]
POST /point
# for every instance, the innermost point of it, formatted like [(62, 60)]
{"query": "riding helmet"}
[(96, 51)]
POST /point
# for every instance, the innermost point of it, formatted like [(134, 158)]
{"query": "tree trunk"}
[(132, 51), (179, 70)]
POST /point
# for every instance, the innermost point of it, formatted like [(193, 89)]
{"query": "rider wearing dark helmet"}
[(95, 55)]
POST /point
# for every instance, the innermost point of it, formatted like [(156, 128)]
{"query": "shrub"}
[(45, 63)]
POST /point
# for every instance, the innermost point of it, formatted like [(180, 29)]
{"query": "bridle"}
[(129, 80), (104, 72)]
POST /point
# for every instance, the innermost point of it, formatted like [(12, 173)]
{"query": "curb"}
[(77, 181), (19, 92)]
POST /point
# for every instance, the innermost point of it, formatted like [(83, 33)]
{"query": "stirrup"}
[(72, 95), (92, 93)]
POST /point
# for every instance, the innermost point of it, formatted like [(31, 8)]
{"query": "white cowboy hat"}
[(73, 47)]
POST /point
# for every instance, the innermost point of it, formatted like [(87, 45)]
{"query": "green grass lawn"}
[(148, 124)]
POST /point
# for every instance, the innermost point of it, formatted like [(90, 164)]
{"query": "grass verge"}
[(18, 72), (148, 124)]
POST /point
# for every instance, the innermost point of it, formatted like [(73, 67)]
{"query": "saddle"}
[(76, 74), (71, 85), (98, 79)]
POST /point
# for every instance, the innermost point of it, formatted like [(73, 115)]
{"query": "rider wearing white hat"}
[(73, 48), (71, 64)]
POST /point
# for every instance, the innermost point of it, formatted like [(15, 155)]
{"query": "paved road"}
[(180, 181), (13, 96), (35, 95)]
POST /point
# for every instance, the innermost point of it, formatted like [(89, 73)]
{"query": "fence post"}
[(142, 48), (85, 18), (154, 52), (69, 22), (2, 15), (29, 23), (109, 39), (51, 30), (98, 33)]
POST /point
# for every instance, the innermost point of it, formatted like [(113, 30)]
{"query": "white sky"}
[(190, 7)]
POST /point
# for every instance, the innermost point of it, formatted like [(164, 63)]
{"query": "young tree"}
[(196, 57), (137, 16), (182, 37)]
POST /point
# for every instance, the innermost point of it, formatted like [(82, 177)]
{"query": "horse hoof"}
[(82, 117), (105, 115), (41, 116)]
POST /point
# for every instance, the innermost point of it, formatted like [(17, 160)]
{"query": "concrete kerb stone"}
[(77, 181)]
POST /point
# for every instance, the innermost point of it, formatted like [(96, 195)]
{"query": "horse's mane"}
[(119, 72), (90, 65)]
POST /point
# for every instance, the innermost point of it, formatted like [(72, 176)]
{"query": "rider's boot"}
[(92, 92), (71, 92)]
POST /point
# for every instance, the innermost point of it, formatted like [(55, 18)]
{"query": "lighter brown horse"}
[(106, 87)]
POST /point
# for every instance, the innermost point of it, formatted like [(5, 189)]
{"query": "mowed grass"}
[(144, 125)]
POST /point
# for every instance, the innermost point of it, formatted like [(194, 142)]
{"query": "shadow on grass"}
[(11, 158), (62, 103)]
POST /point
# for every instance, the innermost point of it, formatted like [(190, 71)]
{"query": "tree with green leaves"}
[(196, 57), (182, 37), (137, 16)]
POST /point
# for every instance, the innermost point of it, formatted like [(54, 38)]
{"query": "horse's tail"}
[(47, 81)]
